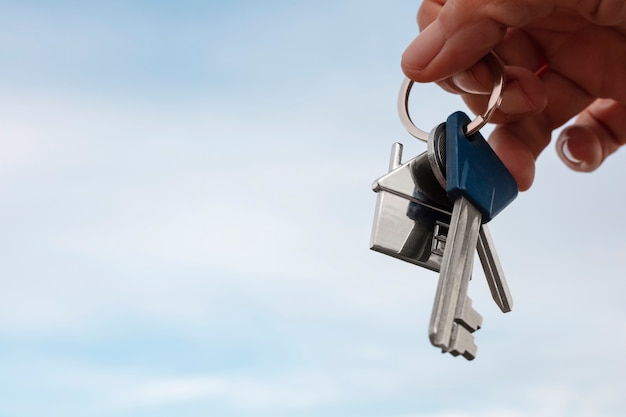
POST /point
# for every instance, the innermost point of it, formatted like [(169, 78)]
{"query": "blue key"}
[(474, 171), (481, 187)]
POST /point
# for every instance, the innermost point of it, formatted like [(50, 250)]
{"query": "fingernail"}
[(424, 48), (566, 152)]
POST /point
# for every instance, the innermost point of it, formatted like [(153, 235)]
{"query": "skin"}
[(563, 59)]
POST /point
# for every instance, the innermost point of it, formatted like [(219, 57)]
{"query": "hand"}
[(562, 58)]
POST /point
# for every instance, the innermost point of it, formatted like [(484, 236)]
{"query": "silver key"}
[(466, 320), (453, 319)]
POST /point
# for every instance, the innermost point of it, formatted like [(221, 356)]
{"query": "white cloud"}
[(161, 391), (306, 389), (130, 391)]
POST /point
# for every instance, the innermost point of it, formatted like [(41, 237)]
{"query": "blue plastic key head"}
[(474, 171)]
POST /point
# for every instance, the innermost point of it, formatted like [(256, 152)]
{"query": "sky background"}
[(185, 214)]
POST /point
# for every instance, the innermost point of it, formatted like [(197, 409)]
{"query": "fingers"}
[(442, 50), (547, 81), (598, 132)]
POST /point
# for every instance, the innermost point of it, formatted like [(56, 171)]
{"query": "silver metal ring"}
[(494, 101)]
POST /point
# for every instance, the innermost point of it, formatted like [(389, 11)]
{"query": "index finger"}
[(458, 34)]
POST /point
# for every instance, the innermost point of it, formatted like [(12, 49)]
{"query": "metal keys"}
[(416, 221), (481, 187), (493, 270), (432, 210)]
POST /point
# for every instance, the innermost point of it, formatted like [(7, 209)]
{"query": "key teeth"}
[(470, 356), (462, 343), (469, 318)]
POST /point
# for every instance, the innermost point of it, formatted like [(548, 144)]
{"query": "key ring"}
[(494, 101)]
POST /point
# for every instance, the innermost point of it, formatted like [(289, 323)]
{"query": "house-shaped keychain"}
[(412, 212)]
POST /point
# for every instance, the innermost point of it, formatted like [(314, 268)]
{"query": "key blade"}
[(493, 270), (456, 269)]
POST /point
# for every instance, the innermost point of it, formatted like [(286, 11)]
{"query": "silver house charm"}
[(412, 212)]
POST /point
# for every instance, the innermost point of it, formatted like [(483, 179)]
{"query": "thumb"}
[(458, 34)]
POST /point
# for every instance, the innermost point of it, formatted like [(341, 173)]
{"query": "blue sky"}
[(186, 209)]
